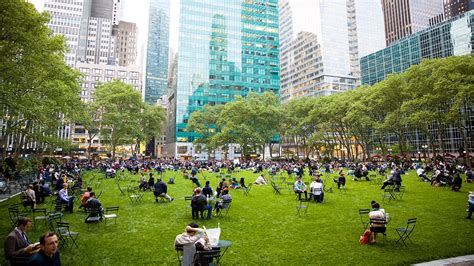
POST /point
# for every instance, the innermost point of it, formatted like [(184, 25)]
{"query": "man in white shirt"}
[(316, 188)]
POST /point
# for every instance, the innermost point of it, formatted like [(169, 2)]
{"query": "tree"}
[(152, 119), (204, 122), (90, 119), (32, 66), (120, 106)]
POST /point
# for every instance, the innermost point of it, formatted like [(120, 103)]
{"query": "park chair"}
[(122, 192), (364, 217), (98, 195), (179, 253), (380, 222), (54, 218), (405, 232), (92, 216), (275, 187), (57, 206), (207, 257), (14, 215), (135, 197), (398, 192), (389, 194), (187, 200), (301, 206), (247, 189), (67, 237), (225, 207), (40, 214), (111, 213)]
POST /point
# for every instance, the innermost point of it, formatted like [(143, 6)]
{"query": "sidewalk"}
[(458, 261)]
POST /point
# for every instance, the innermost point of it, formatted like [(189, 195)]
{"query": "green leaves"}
[(38, 92)]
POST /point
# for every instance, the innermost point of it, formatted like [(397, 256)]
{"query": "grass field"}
[(265, 229)]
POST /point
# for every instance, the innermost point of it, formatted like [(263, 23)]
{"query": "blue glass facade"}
[(453, 37), (227, 48), (156, 81)]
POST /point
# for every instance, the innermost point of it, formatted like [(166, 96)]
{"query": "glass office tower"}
[(157, 51), (453, 37), (227, 48)]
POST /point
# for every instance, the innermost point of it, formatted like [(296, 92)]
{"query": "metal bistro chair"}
[(301, 206), (247, 189), (111, 213), (364, 218), (405, 232), (92, 216), (67, 237), (204, 258)]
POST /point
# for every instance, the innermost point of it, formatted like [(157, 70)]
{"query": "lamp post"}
[(419, 156)]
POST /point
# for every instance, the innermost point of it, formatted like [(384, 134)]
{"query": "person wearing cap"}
[(64, 199), (340, 181)]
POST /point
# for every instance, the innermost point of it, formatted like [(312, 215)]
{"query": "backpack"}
[(171, 180), (365, 237)]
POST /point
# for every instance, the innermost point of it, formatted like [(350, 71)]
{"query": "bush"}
[(50, 160)]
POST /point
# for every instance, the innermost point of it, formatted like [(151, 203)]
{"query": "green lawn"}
[(264, 227)]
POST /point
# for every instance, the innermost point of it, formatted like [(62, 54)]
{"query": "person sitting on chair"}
[(64, 199), (94, 203), (378, 221), (151, 181), (207, 190), (457, 183), (199, 204), (469, 176), (340, 181), (160, 190), (242, 182), (234, 184), (85, 197), (17, 243), (300, 187), (29, 197), (220, 204), (317, 189), (261, 180), (187, 240), (143, 184), (470, 204)]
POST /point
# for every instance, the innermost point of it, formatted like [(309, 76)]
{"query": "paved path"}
[(457, 261)]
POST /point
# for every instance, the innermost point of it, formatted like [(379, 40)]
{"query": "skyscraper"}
[(226, 49), (66, 19), (157, 50), (454, 8), (405, 17), (343, 31), (125, 34)]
